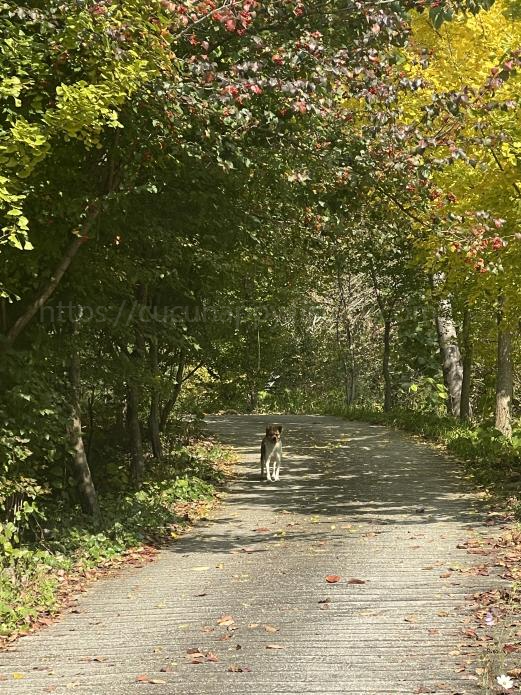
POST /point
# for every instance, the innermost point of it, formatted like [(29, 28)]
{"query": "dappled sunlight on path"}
[(356, 502)]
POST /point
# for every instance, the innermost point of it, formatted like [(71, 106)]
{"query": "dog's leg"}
[(268, 472), (263, 461), (276, 467)]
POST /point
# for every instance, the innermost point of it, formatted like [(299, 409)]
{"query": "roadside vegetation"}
[(279, 206), (48, 560)]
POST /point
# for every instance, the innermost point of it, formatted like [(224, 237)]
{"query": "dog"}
[(271, 450)]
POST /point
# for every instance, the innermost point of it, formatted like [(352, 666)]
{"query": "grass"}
[(37, 575)]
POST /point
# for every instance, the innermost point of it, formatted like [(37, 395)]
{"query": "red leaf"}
[(333, 578)]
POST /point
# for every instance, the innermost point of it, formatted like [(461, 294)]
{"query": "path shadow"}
[(335, 471)]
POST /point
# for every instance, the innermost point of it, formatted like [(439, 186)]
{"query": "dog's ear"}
[(279, 427)]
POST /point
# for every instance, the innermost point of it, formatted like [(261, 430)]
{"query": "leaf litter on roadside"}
[(145, 678)]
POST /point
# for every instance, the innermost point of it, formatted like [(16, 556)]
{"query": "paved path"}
[(346, 505)]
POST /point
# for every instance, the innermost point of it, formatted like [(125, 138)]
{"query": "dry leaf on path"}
[(226, 620), (333, 578), (145, 678)]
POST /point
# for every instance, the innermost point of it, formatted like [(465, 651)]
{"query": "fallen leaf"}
[(411, 618), (169, 668), (225, 620), (18, 676), (333, 578), (210, 656), (356, 581), (235, 668), (469, 632), (145, 678), (271, 628), (274, 646)]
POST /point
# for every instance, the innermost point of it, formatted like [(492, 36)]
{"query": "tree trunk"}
[(465, 409), (153, 416), (352, 394), (253, 397), (90, 422), (86, 489), (504, 378), (135, 439), (170, 403), (386, 313), (56, 277), (388, 388), (344, 335), (450, 355)]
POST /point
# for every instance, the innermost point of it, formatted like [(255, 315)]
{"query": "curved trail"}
[(348, 503)]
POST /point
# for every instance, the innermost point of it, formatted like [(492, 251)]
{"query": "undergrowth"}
[(66, 543)]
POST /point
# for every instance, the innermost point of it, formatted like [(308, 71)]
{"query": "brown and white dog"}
[(271, 451)]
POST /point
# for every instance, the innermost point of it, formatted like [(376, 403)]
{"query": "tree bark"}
[(53, 283), (135, 436), (450, 355), (504, 377), (345, 344), (86, 488), (465, 408), (386, 313), (170, 403), (137, 461), (153, 416), (388, 388)]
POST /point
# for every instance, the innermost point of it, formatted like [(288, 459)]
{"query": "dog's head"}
[(273, 433)]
